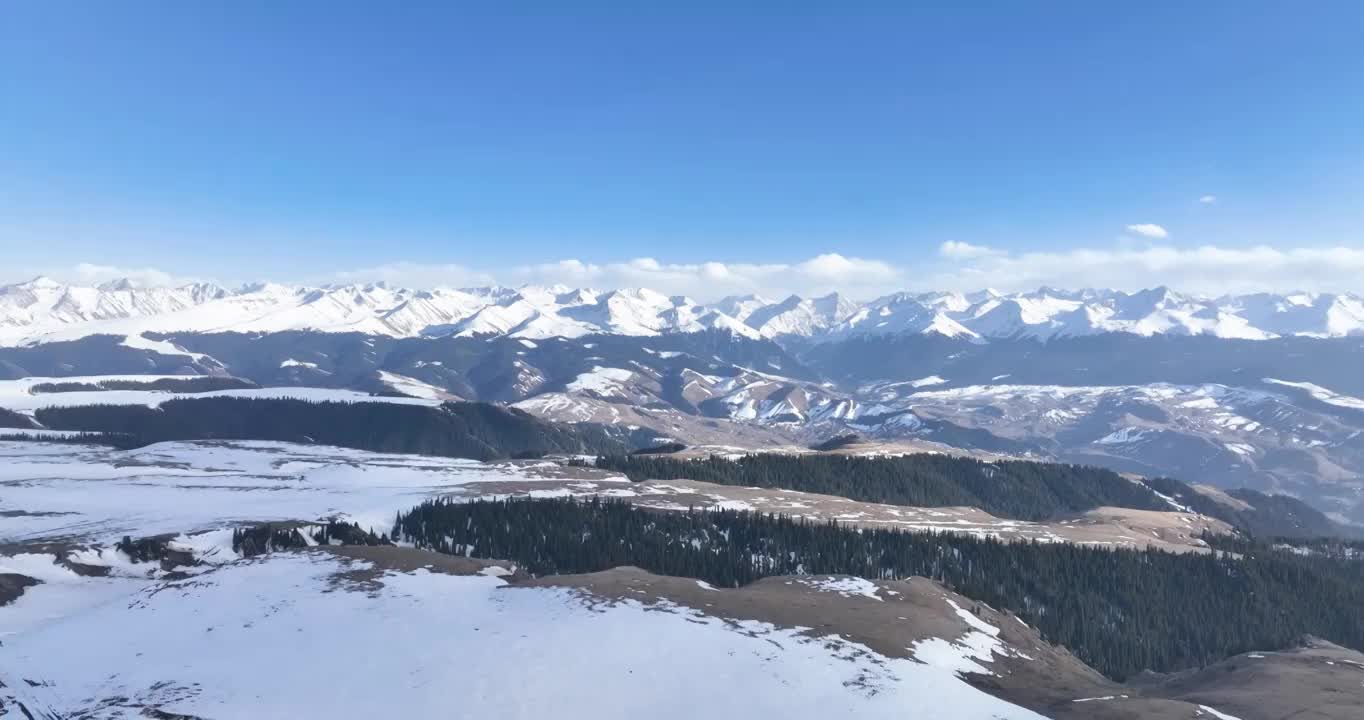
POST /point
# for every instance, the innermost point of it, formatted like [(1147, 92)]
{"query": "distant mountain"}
[(1281, 415), (42, 310), (1259, 391)]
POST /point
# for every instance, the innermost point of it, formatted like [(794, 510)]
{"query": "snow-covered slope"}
[(799, 316), (290, 636), (902, 313), (95, 495), (42, 310), (330, 633), (359, 632)]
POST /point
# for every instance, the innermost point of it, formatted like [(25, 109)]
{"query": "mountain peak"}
[(42, 282), (41, 306), (122, 284)]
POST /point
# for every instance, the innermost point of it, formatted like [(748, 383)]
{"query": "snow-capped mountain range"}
[(43, 310)]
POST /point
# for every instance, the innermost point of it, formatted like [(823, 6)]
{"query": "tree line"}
[(187, 384), (1331, 548), (470, 430), (261, 539)]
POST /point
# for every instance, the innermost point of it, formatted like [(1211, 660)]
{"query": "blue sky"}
[(299, 140)]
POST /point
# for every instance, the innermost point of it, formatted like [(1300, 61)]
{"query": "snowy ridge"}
[(42, 310)]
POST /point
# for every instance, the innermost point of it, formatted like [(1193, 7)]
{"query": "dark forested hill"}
[(186, 384), (11, 419), (472, 430), (1263, 516), (1120, 611)]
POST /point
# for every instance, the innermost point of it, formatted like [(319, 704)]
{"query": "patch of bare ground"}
[(1125, 706), (1318, 681), (378, 560), (1163, 530), (60, 551), (159, 714), (902, 614), (26, 513), (1174, 531), (13, 585), (46, 547), (1221, 496), (864, 447), (1105, 526), (909, 446), (554, 470)]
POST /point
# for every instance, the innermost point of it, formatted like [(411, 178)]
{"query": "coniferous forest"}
[(187, 384), (1120, 611)]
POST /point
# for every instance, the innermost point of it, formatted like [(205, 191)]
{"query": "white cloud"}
[(410, 274), (1149, 230), (956, 266), (958, 250), (1207, 269), (1208, 199), (709, 280), (93, 274), (839, 270)]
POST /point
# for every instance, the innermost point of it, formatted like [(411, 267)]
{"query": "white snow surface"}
[(18, 394), (412, 386), (845, 586), (967, 653), (601, 380), (1320, 393), (1122, 435), (98, 495), (163, 347), (429, 645), (1217, 714), (61, 595), (418, 645)]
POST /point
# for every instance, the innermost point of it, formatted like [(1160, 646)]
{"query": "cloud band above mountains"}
[(956, 266)]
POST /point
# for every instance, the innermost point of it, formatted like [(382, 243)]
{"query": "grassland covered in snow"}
[(314, 633)]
